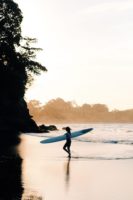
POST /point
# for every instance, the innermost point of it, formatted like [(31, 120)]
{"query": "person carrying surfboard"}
[(67, 145)]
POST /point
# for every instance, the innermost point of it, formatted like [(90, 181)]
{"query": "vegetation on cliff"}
[(17, 67)]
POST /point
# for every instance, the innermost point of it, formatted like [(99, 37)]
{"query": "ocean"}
[(101, 167), (118, 137)]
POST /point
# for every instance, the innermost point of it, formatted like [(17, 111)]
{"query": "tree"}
[(17, 61)]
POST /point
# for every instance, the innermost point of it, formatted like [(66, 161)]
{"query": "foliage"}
[(60, 111), (17, 57), (18, 66)]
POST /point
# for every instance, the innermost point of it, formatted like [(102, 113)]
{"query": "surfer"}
[(67, 145)]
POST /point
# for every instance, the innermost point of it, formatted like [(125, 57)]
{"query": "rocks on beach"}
[(44, 128)]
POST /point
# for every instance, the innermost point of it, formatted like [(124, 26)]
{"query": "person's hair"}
[(68, 129)]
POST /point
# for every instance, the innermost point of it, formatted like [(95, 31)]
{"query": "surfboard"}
[(63, 137)]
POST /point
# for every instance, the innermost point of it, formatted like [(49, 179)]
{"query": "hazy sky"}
[(87, 49)]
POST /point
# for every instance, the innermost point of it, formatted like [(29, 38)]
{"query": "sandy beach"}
[(48, 174)]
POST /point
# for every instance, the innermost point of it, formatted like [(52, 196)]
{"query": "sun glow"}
[(87, 49)]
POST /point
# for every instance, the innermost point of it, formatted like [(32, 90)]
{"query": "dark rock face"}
[(25, 122), (17, 117)]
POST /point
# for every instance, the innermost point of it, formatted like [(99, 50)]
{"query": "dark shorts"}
[(67, 144)]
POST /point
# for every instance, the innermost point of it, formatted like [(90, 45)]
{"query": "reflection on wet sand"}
[(11, 186), (67, 173)]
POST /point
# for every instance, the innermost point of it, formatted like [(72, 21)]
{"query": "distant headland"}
[(61, 111)]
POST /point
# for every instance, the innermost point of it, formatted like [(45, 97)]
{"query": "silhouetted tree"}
[(17, 64), (60, 111)]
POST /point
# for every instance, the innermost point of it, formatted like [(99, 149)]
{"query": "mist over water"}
[(61, 111)]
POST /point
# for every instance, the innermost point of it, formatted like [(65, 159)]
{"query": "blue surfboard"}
[(63, 137)]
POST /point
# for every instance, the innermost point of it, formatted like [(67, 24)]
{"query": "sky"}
[(87, 49)]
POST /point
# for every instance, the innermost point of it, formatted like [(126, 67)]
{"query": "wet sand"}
[(48, 174)]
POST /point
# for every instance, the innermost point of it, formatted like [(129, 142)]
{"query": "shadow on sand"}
[(11, 187), (10, 167)]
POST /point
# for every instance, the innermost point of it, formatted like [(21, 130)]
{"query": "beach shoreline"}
[(101, 174)]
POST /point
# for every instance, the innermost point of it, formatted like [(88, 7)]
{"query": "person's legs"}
[(69, 151), (65, 147)]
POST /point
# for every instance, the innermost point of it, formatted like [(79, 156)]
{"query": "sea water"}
[(101, 167), (114, 141)]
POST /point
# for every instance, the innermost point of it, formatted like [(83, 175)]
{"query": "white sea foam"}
[(106, 141)]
